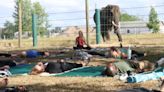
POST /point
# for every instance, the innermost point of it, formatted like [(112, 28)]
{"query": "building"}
[(134, 27), (137, 27), (162, 27)]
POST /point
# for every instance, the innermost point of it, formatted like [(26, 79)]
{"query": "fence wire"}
[(65, 26)]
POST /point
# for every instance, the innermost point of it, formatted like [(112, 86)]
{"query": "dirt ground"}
[(85, 84)]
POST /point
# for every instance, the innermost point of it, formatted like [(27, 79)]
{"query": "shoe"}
[(124, 77)]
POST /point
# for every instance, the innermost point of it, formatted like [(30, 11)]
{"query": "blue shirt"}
[(32, 54)]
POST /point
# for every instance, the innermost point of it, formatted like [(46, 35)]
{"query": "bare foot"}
[(21, 88), (85, 63)]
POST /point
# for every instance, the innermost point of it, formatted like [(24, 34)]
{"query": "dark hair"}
[(111, 70), (113, 48), (148, 66)]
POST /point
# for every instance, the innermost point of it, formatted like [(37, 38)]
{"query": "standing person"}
[(80, 42)]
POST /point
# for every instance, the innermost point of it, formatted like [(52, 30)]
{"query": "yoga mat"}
[(82, 71), (91, 71), (159, 72), (21, 69)]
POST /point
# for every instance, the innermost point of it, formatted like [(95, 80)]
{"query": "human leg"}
[(5, 55), (138, 54), (68, 66)]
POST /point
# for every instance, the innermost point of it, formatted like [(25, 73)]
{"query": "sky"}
[(71, 12)]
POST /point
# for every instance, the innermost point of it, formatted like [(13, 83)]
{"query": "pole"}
[(87, 20), (34, 30), (20, 22), (98, 27)]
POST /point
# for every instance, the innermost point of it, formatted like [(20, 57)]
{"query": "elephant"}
[(109, 19)]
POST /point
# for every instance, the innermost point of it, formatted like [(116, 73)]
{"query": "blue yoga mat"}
[(21, 69), (91, 71), (146, 76)]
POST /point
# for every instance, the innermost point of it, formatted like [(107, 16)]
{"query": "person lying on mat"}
[(122, 66), (119, 53), (80, 42), (28, 54), (55, 67), (122, 53), (141, 89), (34, 53)]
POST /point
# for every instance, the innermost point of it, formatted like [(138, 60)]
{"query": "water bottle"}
[(129, 53)]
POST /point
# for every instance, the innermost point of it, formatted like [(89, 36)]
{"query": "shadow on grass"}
[(76, 87), (73, 87)]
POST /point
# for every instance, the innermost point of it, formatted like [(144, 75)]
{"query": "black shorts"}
[(8, 62)]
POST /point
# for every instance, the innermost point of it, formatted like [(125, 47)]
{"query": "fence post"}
[(87, 20), (20, 23), (98, 27), (34, 30)]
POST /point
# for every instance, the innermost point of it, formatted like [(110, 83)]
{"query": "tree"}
[(127, 17), (27, 9), (9, 30), (26, 15), (153, 21), (42, 18)]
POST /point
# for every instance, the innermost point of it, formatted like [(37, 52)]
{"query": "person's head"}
[(111, 70), (22, 54), (46, 53), (37, 69), (114, 52), (146, 66), (80, 33), (113, 49)]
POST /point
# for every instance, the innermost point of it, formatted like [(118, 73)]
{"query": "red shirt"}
[(80, 41)]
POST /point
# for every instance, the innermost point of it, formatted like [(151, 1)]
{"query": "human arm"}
[(4, 67)]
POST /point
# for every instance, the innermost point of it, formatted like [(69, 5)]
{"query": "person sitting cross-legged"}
[(80, 42)]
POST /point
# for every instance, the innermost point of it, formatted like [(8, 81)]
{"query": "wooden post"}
[(20, 22), (87, 20)]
